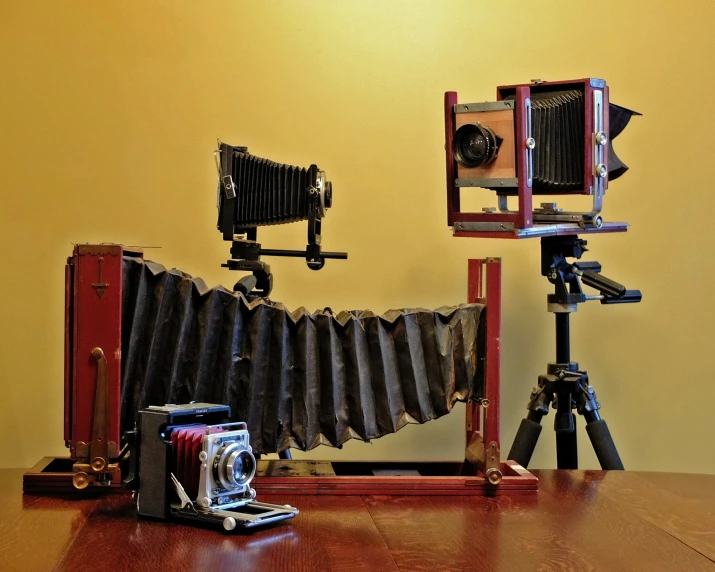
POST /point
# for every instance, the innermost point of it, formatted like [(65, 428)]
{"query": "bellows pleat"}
[(297, 379)]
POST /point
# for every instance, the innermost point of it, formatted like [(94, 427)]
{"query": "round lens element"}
[(235, 466), (244, 467), (475, 145)]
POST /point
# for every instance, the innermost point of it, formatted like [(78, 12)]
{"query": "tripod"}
[(565, 387)]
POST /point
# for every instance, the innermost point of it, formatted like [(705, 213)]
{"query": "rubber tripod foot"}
[(604, 446), (525, 442)]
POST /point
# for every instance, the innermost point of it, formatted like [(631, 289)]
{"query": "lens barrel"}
[(475, 145), (234, 466)]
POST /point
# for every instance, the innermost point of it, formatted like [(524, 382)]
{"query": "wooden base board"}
[(343, 478), (53, 475)]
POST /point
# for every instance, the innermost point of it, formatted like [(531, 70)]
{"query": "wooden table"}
[(580, 520)]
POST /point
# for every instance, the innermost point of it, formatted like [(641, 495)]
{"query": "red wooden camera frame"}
[(523, 218)]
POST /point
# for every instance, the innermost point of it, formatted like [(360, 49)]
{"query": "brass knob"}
[(80, 480), (494, 476), (98, 464)]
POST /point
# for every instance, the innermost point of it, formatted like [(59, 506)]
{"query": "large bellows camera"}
[(560, 119), (191, 466), (542, 138)]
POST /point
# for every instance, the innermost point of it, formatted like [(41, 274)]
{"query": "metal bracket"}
[(99, 447), (186, 503), (484, 226), (483, 106), (100, 286), (228, 187), (492, 462), (487, 459), (96, 463), (488, 183), (600, 138), (530, 143)]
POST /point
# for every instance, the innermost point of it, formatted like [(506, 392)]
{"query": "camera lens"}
[(243, 467), (235, 466), (475, 145)]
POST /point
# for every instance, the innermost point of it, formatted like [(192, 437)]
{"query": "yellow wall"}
[(109, 112)]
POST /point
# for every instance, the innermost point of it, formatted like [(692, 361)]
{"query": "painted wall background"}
[(109, 113)]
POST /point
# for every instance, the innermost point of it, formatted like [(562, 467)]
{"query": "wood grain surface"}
[(580, 520)]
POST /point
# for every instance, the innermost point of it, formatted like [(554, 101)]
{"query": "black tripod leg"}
[(567, 448), (597, 429), (603, 444), (525, 441)]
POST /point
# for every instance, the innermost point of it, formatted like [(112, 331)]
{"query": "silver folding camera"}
[(193, 467)]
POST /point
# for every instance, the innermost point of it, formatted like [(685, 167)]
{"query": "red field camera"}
[(542, 138)]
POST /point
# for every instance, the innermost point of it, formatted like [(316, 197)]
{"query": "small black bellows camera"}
[(192, 466), (254, 192)]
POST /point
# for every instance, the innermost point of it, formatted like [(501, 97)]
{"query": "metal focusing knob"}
[(325, 193), (494, 476), (601, 170), (98, 464), (601, 138), (530, 143), (80, 480)]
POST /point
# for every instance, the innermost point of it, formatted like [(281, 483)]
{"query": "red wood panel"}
[(97, 323), (552, 230), (516, 480), (69, 310), (474, 280), (587, 138), (485, 217), (525, 207), (475, 292), (472, 234), (493, 351), (453, 206), (606, 130)]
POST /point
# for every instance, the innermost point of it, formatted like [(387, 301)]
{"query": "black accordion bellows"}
[(297, 379), (558, 129), (270, 193)]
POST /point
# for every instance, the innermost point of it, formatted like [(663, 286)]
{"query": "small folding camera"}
[(193, 467)]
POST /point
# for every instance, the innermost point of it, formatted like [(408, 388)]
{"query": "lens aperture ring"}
[(225, 466)]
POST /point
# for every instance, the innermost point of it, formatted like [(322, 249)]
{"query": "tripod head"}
[(567, 276)]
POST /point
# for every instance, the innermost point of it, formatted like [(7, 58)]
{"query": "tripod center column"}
[(563, 344)]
